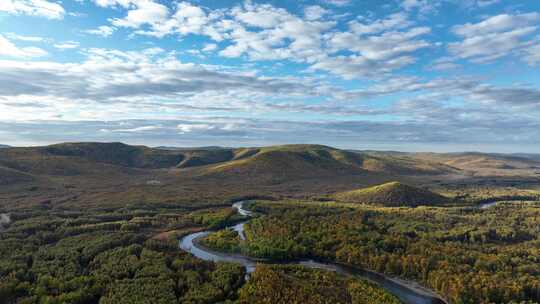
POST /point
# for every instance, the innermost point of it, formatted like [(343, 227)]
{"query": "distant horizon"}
[(374, 147), (407, 75)]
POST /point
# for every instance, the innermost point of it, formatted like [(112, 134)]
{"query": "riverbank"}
[(408, 292)]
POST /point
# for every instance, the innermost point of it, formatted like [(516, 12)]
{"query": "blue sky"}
[(411, 75)]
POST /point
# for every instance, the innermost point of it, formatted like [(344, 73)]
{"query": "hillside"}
[(115, 173), (393, 194), (10, 176), (295, 161), (484, 164), (78, 158), (289, 160)]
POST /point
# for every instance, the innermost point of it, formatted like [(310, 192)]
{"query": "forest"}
[(112, 256), (467, 255), (122, 256), (275, 284)]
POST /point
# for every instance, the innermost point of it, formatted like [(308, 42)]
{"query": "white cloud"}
[(7, 48), (260, 15), (41, 8), (494, 37), (103, 30), (184, 19), (14, 36), (485, 3), (208, 47), (266, 32), (188, 128), (384, 46), (112, 83), (337, 2), (277, 34), (496, 24), (355, 66), (423, 6), (393, 21), (143, 12), (137, 129), (444, 64), (378, 48), (66, 45), (532, 55), (315, 12)]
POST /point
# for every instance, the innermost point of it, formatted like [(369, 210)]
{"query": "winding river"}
[(408, 292)]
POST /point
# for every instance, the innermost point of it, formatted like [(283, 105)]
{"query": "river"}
[(408, 292)]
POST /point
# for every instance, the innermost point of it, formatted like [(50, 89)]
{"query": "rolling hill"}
[(392, 194), (282, 162), (484, 164), (9, 176), (315, 160), (106, 173), (472, 163)]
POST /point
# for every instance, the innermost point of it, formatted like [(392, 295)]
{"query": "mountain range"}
[(111, 173)]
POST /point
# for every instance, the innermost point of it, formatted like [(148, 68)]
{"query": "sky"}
[(408, 75)]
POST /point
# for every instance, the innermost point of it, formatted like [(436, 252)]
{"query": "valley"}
[(92, 222)]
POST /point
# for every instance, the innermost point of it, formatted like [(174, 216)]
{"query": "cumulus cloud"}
[(443, 64), (496, 24), (143, 12), (392, 22), (494, 37), (14, 36), (7, 48), (131, 80), (151, 95), (41, 8), (103, 30), (183, 19), (279, 34), (315, 12), (208, 47), (66, 45), (455, 130), (265, 32), (337, 2), (378, 48), (532, 54), (423, 6)]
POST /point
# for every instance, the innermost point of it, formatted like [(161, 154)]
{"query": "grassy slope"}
[(116, 174), (392, 194), (484, 164), (311, 160)]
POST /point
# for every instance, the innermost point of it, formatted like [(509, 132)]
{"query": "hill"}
[(4, 146), (116, 154), (393, 194), (315, 160), (483, 164), (284, 163), (72, 157), (10, 176), (288, 160), (115, 173), (531, 156)]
